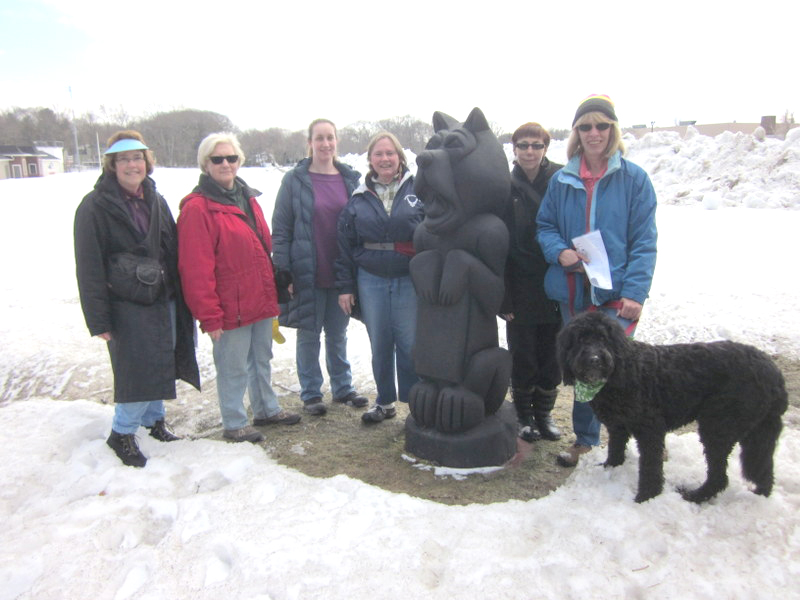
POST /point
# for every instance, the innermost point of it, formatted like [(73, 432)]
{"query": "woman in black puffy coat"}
[(307, 208)]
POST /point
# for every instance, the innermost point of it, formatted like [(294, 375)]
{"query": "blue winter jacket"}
[(293, 241), (623, 209), (364, 219)]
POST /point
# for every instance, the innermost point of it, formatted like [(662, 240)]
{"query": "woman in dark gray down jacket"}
[(533, 319), (151, 345), (307, 208), (376, 230)]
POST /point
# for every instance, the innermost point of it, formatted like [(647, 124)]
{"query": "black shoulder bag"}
[(138, 278)]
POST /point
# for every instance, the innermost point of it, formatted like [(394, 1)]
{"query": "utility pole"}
[(77, 161)]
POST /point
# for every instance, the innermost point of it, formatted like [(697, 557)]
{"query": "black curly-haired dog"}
[(734, 392)]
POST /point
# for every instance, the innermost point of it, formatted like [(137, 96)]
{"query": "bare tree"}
[(175, 135), (559, 134), (22, 126), (787, 122)]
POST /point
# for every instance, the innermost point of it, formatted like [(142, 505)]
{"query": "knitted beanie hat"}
[(595, 103)]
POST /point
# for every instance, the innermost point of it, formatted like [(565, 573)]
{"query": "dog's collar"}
[(585, 392)]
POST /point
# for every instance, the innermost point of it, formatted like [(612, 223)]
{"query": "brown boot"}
[(572, 455)]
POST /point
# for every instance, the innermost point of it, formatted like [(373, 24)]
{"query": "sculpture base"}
[(490, 444)]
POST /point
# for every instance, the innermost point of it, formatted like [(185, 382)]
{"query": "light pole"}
[(77, 162)]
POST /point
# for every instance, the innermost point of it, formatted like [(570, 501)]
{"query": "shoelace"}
[(128, 445)]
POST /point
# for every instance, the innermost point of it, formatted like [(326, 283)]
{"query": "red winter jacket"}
[(225, 271)]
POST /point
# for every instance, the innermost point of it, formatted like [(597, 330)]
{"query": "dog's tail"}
[(758, 447)]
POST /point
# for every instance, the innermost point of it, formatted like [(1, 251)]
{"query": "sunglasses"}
[(217, 160), (525, 145), (599, 126)]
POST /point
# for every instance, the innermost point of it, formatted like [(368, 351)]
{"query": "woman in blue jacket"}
[(376, 229), (307, 208), (597, 190)]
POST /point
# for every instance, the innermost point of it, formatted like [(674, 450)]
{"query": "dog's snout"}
[(593, 359)]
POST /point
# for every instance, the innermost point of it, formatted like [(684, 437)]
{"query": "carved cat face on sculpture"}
[(462, 172)]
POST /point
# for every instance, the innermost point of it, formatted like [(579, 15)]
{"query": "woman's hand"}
[(630, 310), (105, 336), (215, 335), (346, 303), (290, 287)]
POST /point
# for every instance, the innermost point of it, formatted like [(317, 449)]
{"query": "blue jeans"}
[(334, 323), (584, 422), (128, 416), (389, 307), (242, 358)]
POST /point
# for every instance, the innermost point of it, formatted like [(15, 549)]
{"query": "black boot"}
[(523, 402), (127, 450), (543, 402), (161, 433)]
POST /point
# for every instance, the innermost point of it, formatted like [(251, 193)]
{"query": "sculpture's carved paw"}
[(458, 410), (422, 400)]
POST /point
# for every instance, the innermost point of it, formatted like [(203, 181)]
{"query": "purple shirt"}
[(138, 209), (330, 197)]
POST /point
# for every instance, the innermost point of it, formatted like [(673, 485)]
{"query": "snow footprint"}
[(134, 580), (434, 563), (219, 566)]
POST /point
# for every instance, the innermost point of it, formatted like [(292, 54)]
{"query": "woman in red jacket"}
[(224, 248)]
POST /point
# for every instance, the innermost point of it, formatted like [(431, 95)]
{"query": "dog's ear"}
[(564, 342)]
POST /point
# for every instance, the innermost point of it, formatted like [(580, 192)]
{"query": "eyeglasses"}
[(599, 126), (525, 145), (129, 159), (217, 160)]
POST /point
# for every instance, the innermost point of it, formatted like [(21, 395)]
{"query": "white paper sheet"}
[(597, 270)]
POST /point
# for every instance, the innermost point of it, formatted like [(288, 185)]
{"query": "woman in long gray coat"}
[(151, 345), (304, 242)]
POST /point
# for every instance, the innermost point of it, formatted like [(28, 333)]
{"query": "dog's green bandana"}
[(585, 392)]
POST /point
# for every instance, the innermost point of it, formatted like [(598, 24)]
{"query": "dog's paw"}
[(644, 497), (698, 496)]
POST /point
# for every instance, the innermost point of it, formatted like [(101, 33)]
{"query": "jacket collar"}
[(349, 174), (210, 189), (369, 184), (541, 174), (572, 170), (109, 187)]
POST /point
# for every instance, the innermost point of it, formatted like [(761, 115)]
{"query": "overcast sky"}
[(265, 63)]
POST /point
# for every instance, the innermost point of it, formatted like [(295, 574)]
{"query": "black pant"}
[(533, 355)]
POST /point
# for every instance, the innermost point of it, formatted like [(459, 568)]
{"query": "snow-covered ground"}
[(207, 519)]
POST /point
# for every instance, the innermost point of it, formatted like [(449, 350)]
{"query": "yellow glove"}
[(276, 332)]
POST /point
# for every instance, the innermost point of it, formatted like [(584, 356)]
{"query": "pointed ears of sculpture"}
[(443, 121), (475, 122)]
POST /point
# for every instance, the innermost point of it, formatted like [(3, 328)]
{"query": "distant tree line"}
[(175, 135)]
